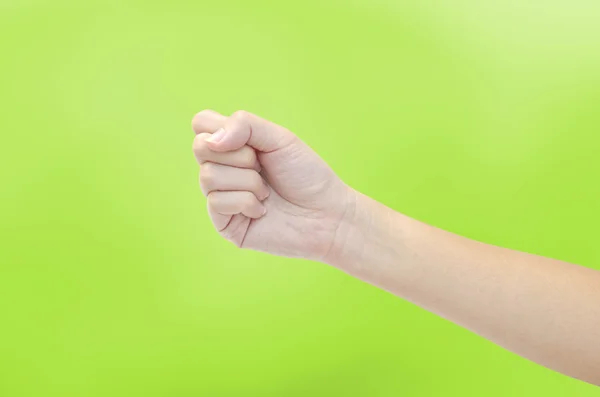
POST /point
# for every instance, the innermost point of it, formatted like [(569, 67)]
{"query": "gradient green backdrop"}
[(480, 117)]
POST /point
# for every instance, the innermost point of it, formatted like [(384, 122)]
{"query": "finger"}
[(207, 121), (235, 228), (232, 203), (220, 221), (244, 128), (217, 177), (244, 157)]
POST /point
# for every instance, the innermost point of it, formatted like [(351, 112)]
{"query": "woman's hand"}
[(266, 189)]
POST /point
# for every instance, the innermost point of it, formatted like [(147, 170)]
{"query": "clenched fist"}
[(266, 189)]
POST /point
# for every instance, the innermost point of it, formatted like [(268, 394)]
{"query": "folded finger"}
[(217, 177), (207, 121), (232, 203), (245, 157)]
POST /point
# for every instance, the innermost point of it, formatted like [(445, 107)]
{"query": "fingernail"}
[(217, 136)]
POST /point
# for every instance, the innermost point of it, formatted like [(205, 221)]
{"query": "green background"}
[(480, 117)]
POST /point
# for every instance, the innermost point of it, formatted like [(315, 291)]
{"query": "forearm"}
[(543, 309)]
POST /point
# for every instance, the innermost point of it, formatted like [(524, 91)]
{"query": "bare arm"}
[(269, 191), (542, 309)]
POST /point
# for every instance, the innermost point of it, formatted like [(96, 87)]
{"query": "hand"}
[(267, 190)]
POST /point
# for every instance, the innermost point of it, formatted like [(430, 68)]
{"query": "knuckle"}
[(200, 146), (198, 117), (207, 175), (204, 119), (212, 200), (241, 115), (203, 113)]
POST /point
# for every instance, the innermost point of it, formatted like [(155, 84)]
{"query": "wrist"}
[(349, 240), (369, 237)]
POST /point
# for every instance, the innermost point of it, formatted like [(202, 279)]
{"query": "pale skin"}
[(269, 191)]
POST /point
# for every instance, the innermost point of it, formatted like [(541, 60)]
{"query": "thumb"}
[(243, 128)]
